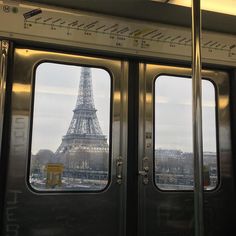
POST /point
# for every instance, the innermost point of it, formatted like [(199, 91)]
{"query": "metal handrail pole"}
[(4, 49), (197, 118)]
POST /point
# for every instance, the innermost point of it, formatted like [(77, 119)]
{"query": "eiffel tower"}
[(84, 146)]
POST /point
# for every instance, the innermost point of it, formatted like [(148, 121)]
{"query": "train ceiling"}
[(150, 11)]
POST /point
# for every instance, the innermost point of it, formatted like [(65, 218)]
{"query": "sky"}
[(173, 114), (56, 91)]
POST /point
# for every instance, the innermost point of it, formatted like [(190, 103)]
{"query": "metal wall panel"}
[(33, 213), (172, 212)]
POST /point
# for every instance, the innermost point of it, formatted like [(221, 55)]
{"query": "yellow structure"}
[(54, 174)]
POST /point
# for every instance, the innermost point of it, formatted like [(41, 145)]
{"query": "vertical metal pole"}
[(4, 48), (197, 118)]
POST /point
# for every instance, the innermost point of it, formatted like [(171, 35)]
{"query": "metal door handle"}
[(119, 170), (145, 170), (143, 173)]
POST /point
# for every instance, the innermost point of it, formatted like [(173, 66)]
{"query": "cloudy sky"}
[(56, 94), (173, 114)]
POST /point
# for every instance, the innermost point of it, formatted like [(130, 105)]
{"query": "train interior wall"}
[(130, 200)]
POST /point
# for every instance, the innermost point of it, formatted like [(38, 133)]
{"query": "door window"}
[(173, 134), (71, 125)]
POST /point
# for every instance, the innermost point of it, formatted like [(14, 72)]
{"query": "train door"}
[(67, 169), (166, 205), (66, 165)]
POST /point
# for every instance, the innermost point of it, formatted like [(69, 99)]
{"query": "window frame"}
[(32, 99)]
